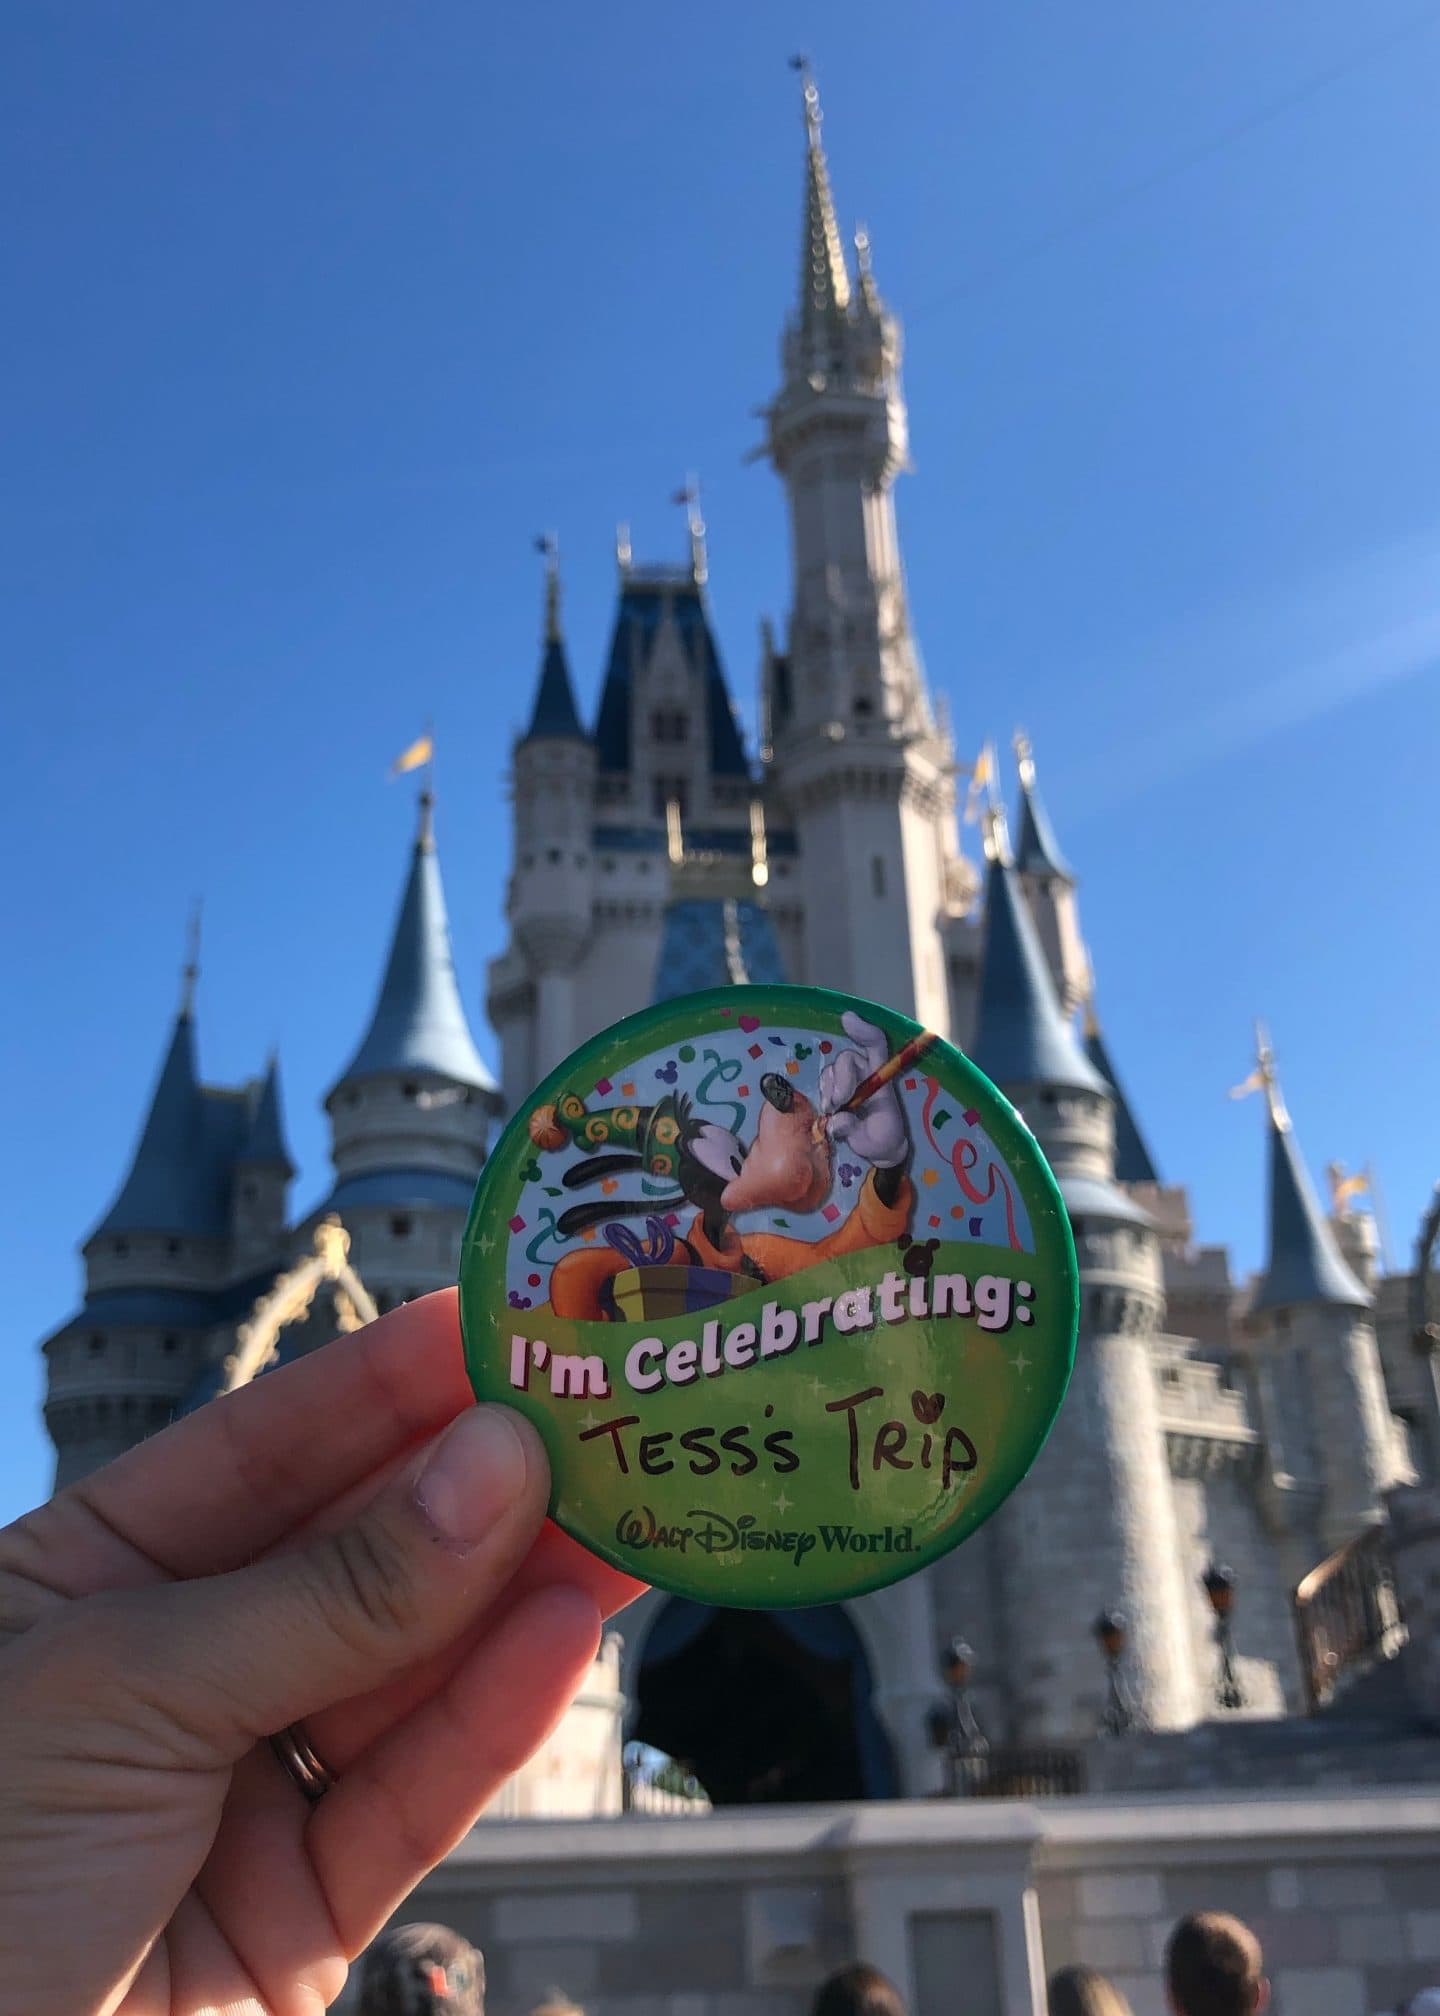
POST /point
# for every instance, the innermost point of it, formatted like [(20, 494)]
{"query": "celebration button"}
[(786, 1286)]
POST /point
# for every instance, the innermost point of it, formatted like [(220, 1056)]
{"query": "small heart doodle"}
[(749, 1023), (928, 1407)]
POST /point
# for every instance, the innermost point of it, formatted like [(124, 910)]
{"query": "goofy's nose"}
[(778, 1091)]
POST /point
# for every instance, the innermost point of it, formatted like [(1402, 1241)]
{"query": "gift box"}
[(650, 1294)]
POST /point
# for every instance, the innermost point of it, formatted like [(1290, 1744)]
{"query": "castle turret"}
[(263, 1171), (858, 757), (1312, 1325), (1049, 884), (1093, 1527), (411, 1112), (551, 897), (161, 1266)]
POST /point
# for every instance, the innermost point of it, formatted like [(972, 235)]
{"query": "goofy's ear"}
[(601, 1209), (600, 1166)]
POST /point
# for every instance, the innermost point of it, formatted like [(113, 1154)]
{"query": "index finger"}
[(236, 1476)]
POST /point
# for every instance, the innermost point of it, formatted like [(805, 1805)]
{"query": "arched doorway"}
[(766, 1707)]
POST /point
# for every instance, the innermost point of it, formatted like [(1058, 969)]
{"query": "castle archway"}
[(766, 1707)]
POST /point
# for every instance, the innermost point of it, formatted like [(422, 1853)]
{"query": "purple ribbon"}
[(652, 1251)]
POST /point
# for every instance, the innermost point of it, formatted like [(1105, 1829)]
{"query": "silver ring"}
[(292, 1747)]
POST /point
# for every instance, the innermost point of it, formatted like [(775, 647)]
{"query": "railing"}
[(1347, 1615), (643, 1795), (1018, 1772)]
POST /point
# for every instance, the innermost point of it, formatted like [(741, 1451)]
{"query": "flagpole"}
[(1382, 1223)]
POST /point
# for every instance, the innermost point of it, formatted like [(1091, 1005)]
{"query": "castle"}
[(1260, 1425)]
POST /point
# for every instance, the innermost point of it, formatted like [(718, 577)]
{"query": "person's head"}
[(1081, 1991), (1214, 1967), (555, 2003), (422, 1970), (858, 1990)]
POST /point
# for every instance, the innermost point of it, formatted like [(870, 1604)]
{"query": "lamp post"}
[(1119, 1717), (955, 1728), (1218, 1582)]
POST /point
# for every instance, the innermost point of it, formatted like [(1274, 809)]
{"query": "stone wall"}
[(968, 1905)]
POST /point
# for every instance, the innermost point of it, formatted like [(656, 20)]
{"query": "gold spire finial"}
[(1263, 1079), (548, 544), (190, 971), (425, 835), (1024, 757)]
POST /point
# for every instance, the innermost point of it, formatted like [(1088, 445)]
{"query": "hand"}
[(350, 1541), (876, 1130)]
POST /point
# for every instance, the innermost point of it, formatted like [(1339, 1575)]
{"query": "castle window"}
[(121, 1247), (170, 1344), (172, 1245), (864, 707), (249, 1191), (97, 1345), (411, 1092), (669, 724), (553, 856), (877, 875), (401, 1226)]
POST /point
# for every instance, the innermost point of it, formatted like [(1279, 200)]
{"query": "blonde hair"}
[(1082, 1991), (553, 2003)]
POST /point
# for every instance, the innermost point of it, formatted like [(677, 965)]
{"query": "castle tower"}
[(1049, 885), (1093, 1526), (603, 821), (165, 1262), (411, 1112), (263, 1173), (550, 900), (857, 757), (1316, 1349)]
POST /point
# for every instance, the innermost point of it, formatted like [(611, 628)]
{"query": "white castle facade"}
[(1265, 1425)]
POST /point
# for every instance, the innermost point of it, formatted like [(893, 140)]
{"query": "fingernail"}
[(477, 1470)]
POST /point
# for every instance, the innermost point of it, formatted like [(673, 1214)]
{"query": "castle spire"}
[(824, 281), (1038, 852), (190, 971), (1304, 1263), (265, 1141), (162, 1191), (1022, 1037), (1133, 1160), (555, 716), (419, 1023)]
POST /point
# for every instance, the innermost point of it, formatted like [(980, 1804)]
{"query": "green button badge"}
[(786, 1286)]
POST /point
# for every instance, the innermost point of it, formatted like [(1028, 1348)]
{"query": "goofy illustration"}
[(788, 1166)]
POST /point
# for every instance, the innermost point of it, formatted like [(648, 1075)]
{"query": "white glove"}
[(876, 1131)]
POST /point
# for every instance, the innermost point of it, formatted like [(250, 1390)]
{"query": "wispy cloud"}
[(1336, 641)]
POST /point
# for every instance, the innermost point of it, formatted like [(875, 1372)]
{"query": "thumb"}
[(235, 1657)]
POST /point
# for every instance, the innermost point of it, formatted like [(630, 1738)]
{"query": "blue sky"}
[(317, 315)]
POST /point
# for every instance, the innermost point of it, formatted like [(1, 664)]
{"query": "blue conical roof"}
[(1022, 1036), (555, 717), (1038, 851), (265, 1141), (1304, 1263), (158, 1195), (1133, 1163), (179, 1179), (644, 602), (419, 1023)]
